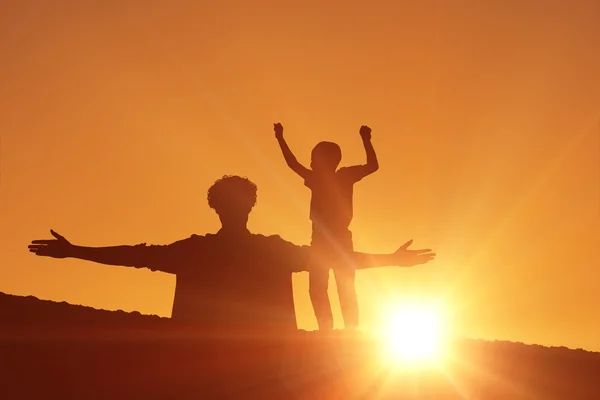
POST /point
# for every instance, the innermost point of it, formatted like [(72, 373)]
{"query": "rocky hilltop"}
[(52, 350)]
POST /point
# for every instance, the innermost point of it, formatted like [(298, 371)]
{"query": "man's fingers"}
[(427, 257), (420, 251), (46, 241), (424, 258)]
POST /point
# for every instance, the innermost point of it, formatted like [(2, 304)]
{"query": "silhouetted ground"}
[(54, 350)]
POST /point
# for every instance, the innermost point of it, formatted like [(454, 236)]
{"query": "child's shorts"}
[(333, 246)]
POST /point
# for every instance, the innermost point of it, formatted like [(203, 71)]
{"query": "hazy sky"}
[(116, 116)]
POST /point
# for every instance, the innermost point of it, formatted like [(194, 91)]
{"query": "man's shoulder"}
[(283, 252), (193, 240), (274, 240)]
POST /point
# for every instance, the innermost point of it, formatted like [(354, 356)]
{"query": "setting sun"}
[(413, 333)]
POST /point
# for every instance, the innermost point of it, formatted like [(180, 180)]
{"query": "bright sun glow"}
[(412, 334)]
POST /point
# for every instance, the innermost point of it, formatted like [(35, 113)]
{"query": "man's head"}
[(326, 157), (232, 197)]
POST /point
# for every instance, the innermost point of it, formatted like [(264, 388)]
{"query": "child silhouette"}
[(331, 212)]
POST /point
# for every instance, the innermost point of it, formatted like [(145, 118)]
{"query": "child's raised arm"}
[(372, 163), (290, 159), (357, 172)]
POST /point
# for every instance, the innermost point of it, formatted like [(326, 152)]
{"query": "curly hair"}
[(232, 189)]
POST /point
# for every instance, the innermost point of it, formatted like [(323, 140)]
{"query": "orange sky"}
[(116, 118)]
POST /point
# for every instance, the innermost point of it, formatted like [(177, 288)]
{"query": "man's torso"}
[(235, 283)]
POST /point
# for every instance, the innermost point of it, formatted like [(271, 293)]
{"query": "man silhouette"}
[(231, 281)]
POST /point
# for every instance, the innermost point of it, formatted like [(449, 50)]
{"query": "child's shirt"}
[(331, 201)]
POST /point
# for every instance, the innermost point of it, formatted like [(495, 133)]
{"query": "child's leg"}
[(318, 281), (345, 277)]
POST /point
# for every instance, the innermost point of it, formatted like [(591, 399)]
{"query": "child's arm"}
[(372, 163), (290, 159), (357, 172)]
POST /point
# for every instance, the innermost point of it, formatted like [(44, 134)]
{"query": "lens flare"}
[(412, 334)]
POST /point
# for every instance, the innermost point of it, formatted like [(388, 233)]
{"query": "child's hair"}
[(328, 153)]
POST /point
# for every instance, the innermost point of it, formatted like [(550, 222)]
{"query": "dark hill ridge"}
[(21, 310), (63, 351)]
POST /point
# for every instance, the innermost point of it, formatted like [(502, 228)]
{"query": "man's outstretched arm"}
[(290, 159), (403, 257), (305, 258), (138, 256)]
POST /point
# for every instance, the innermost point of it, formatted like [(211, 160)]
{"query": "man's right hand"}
[(278, 130), (409, 258), (56, 248)]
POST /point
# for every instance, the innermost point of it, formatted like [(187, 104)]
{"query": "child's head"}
[(326, 156)]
